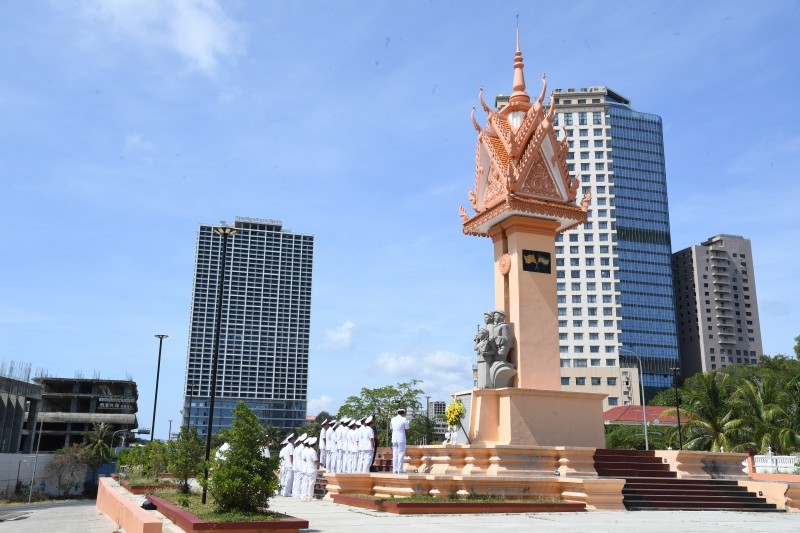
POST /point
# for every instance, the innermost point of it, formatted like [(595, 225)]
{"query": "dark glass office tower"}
[(264, 339), (615, 281)]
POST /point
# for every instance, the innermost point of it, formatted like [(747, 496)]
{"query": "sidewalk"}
[(326, 516)]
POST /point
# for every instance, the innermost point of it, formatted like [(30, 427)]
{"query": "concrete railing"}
[(112, 501), (777, 464)]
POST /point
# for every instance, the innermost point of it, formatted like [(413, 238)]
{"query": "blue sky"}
[(124, 125)]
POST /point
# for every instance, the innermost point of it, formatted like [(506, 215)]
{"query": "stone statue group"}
[(493, 342)]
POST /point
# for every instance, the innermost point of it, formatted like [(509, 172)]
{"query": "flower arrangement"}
[(453, 415)]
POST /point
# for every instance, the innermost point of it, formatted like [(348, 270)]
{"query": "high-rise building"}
[(615, 295), (717, 308), (264, 330)]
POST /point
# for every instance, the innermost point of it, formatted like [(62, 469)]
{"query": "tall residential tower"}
[(264, 339), (715, 291), (615, 295)]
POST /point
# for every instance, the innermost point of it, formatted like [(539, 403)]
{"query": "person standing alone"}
[(399, 428)]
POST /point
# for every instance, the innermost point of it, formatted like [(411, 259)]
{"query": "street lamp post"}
[(160, 338), (675, 373), (644, 404), (123, 431), (169, 435), (427, 417), (225, 232)]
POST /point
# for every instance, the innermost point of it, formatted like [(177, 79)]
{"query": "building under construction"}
[(19, 401), (71, 406)]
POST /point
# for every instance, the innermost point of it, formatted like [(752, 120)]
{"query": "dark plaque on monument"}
[(533, 261)]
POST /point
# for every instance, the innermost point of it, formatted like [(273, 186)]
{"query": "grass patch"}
[(144, 480), (193, 503)]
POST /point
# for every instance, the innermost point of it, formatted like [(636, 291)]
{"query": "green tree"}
[(756, 409), (707, 418), (383, 403), (185, 456), (422, 429), (98, 441), (797, 347), (156, 463), (245, 479), (69, 467)]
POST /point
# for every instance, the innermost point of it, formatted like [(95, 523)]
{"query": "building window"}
[(565, 381), (580, 381), (568, 119), (582, 118), (597, 118), (613, 401), (595, 381), (611, 381), (580, 363)]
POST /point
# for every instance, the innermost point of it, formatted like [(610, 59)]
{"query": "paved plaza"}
[(325, 516)]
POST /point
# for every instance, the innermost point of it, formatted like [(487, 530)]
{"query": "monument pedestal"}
[(534, 417)]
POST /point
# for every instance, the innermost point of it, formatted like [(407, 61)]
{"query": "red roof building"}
[(632, 415)]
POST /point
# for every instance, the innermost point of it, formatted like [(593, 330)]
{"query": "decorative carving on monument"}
[(463, 213), (587, 197), (520, 163), (573, 187), (475, 122), (483, 104), (494, 187), (505, 264), (539, 182), (493, 342)]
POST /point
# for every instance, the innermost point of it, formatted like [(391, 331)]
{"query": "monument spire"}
[(519, 94)]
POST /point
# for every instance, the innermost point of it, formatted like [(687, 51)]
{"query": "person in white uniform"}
[(341, 444), (399, 428), (323, 443), (366, 439), (297, 464), (329, 445), (352, 446), (286, 472), (311, 462)]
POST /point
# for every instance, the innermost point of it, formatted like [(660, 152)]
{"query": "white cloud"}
[(316, 405), (197, 30), (341, 338), (135, 142), (396, 364), (441, 372)]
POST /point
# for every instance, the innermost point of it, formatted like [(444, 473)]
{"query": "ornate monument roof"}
[(520, 165)]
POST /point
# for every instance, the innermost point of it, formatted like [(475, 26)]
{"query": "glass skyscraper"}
[(264, 339), (615, 282)]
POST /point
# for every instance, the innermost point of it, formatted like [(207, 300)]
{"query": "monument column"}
[(526, 291), (523, 197)]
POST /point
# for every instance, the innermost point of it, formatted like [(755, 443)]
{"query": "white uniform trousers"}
[(332, 466), (296, 482), (287, 479), (398, 455), (364, 460)]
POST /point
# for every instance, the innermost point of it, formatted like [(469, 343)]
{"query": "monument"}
[(523, 196), (525, 435)]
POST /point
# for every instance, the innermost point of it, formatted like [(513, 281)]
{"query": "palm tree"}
[(789, 418), (97, 442), (757, 412), (708, 424)]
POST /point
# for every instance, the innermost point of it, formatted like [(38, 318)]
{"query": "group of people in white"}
[(346, 446), (298, 466)]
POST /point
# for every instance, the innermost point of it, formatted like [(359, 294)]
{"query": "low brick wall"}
[(113, 502)]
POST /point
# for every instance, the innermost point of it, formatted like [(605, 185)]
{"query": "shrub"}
[(185, 456), (245, 479)]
